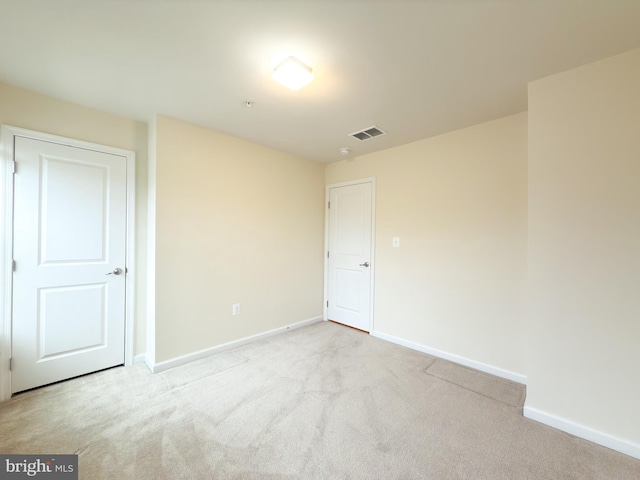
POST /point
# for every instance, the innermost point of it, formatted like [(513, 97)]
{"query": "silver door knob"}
[(116, 271), (365, 264)]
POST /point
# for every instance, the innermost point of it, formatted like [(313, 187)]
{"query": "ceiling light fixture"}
[(292, 73)]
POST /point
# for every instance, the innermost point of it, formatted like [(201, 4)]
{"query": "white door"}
[(69, 242), (350, 259)]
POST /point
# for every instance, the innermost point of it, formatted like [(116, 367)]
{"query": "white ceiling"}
[(413, 68)]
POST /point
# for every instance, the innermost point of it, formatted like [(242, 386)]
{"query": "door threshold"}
[(348, 326), (64, 380)]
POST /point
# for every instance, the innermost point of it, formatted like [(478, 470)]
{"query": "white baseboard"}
[(148, 363), (190, 357), (141, 358), (452, 357), (582, 431)]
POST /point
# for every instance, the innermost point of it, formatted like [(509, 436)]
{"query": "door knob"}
[(116, 271), (365, 264)]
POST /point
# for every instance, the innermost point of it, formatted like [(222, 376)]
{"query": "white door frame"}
[(7, 142), (372, 181)]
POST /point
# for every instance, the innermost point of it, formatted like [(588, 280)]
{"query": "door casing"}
[(372, 181), (7, 137)]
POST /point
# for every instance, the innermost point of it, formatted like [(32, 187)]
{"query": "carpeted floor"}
[(321, 402)]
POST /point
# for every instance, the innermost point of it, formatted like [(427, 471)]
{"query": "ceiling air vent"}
[(367, 133)]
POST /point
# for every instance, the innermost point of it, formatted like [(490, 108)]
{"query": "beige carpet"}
[(322, 402)]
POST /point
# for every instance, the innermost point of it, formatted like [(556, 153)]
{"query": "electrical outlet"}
[(396, 242), (236, 309)]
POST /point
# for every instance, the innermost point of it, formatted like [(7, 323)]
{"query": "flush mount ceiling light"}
[(292, 73)]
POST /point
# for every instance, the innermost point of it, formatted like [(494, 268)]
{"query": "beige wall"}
[(458, 202), (21, 108), (150, 354), (235, 223), (584, 246)]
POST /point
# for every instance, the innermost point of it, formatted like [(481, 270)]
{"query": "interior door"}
[(350, 259), (68, 314)]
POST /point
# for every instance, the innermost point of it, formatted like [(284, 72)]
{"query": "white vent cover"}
[(367, 133)]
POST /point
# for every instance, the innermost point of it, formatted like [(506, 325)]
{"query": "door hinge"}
[(327, 303), (13, 265), (15, 166), (329, 205), (327, 254), (11, 364)]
